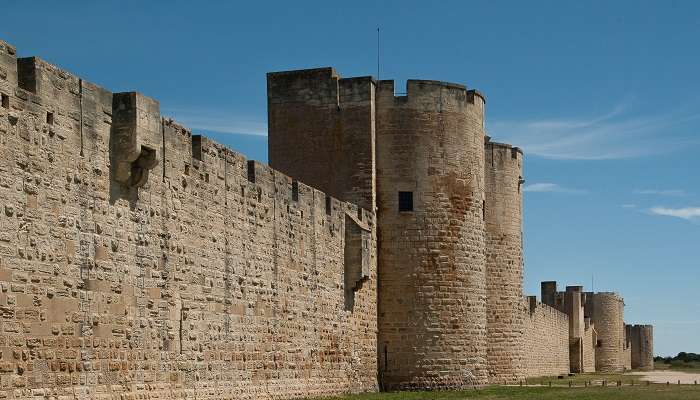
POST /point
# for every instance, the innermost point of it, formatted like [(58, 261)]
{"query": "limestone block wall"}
[(628, 358), (606, 310), (321, 131), (589, 346), (504, 262), (432, 302), (212, 278), (642, 346), (546, 339)]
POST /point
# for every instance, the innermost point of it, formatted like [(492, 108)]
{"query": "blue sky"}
[(604, 98)]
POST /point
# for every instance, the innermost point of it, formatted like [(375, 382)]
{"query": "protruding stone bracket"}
[(357, 257), (135, 139)]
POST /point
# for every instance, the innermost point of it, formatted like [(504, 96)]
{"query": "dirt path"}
[(686, 378)]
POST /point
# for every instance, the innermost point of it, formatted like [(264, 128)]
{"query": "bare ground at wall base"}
[(651, 392)]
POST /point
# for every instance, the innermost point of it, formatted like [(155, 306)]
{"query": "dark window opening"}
[(483, 210), (187, 169), (49, 118), (295, 191), (386, 356), (599, 343), (5, 101), (328, 205), (405, 201), (251, 171)]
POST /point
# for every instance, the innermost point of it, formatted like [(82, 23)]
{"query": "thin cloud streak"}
[(687, 213), (545, 187), (666, 192), (614, 135), (218, 121)]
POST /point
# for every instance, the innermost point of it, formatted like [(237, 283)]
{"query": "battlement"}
[(430, 93), (318, 86), (139, 131), (494, 147)]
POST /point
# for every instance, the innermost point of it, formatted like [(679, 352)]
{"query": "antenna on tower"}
[(592, 290), (378, 70)]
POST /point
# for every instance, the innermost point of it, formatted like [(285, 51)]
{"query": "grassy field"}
[(653, 392)]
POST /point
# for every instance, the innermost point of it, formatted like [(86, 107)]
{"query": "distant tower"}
[(430, 195), (642, 340), (607, 313), (504, 262)]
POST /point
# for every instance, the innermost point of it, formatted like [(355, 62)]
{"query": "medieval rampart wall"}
[(546, 339), (140, 260)]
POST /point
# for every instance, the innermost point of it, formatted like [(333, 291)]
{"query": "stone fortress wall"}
[(429, 148), (504, 265), (449, 217), (138, 259), (546, 340), (641, 339), (430, 144)]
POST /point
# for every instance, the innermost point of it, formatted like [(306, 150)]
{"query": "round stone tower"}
[(607, 314), (642, 340), (504, 262), (430, 195)]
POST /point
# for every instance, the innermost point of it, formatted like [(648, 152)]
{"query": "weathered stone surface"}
[(641, 339), (504, 262), (214, 278), (546, 339)]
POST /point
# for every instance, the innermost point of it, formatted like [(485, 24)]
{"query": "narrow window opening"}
[(187, 169), (599, 343), (295, 191), (49, 118), (251, 171), (206, 177), (5, 101), (405, 201), (328, 205), (483, 210), (386, 356)]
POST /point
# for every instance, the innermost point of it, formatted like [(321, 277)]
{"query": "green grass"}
[(653, 392), (580, 380)]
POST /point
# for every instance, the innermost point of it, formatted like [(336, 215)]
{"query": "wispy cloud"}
[(629, 206), (218, 121), (613, 135), (551, 188), (687, 213), (665, 192)]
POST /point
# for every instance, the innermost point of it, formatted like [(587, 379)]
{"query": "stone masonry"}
[(141, 261), (642, 346), (381, 249), (504, 261)]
